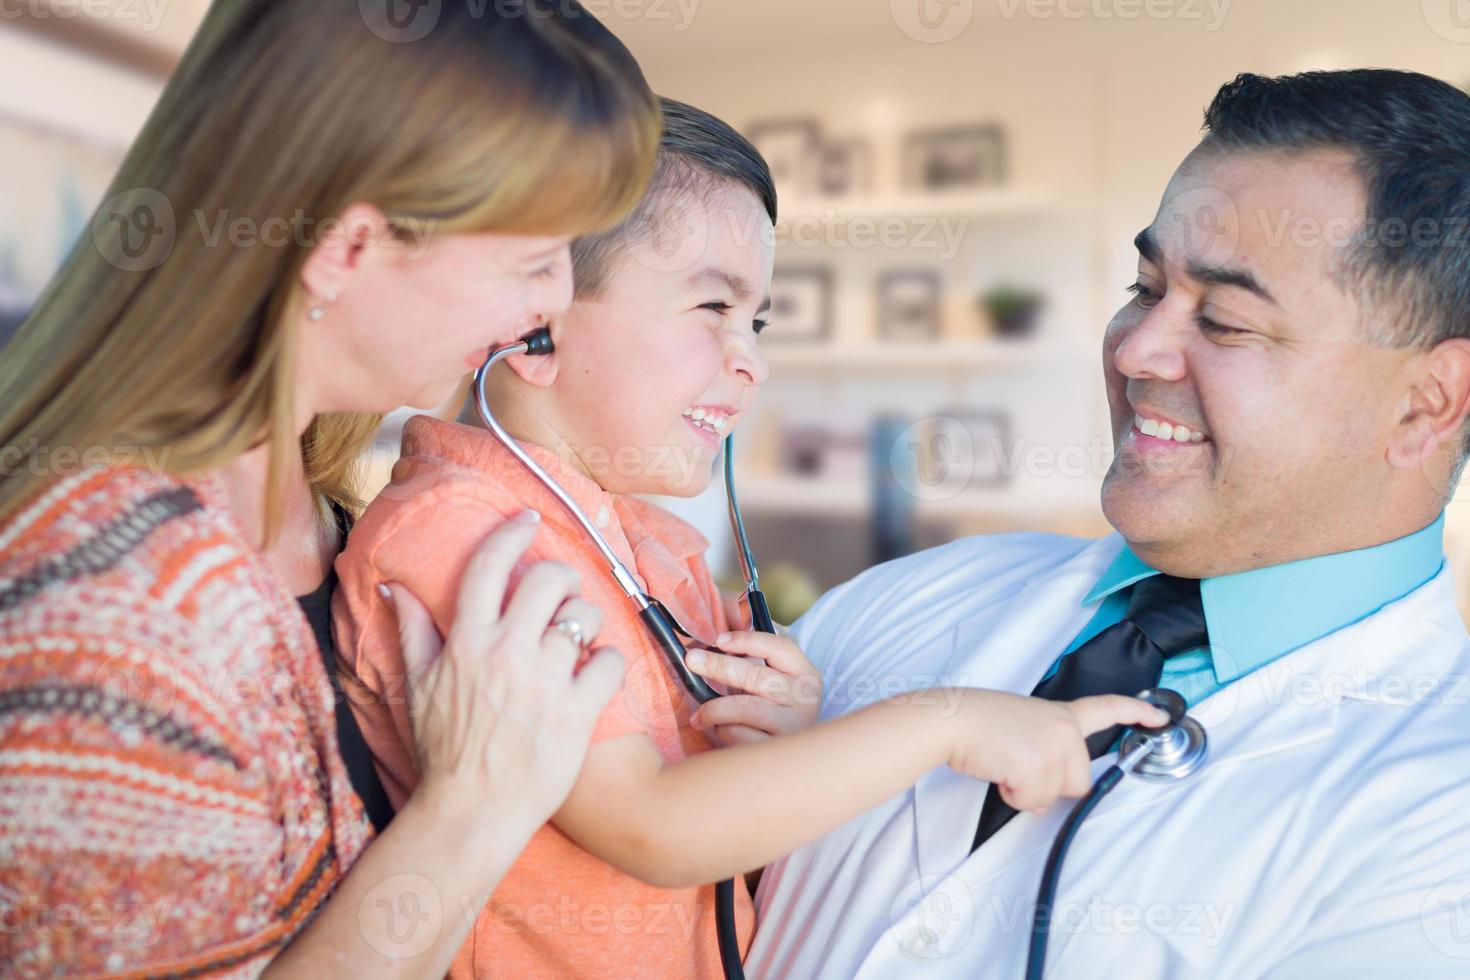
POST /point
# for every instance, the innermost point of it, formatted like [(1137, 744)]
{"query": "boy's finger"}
[(740, 735), (736, 709), (741, 673), (1103, 711), (780, 653)]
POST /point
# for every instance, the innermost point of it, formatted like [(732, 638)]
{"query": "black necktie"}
[(1165, 618)]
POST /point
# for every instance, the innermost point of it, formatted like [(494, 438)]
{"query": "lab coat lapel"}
[(1006, 646), (1289, 704)]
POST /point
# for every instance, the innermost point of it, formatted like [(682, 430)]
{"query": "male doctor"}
[(1289, 386)]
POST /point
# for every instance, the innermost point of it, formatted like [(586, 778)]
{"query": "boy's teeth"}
[(707, 419), (1167, 430)]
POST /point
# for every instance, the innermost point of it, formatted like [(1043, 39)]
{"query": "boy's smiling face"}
[(657, 369)]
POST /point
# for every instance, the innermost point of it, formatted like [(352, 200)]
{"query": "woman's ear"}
[(338, 254), (1438, 405)]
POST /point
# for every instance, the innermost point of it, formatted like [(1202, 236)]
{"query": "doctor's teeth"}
[(1167, 431)]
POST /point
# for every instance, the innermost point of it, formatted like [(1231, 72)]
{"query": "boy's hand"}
[(1034, 749), (784, 689)]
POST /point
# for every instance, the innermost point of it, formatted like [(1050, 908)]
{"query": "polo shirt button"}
[(603, 517)]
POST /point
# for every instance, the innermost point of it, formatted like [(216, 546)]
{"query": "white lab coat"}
[(1328, 834)]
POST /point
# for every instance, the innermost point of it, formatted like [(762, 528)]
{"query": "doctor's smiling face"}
[(1273, 395)]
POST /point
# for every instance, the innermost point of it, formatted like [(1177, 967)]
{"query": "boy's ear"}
[(539, 370)]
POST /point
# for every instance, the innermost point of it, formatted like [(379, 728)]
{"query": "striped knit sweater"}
[(172, 800)]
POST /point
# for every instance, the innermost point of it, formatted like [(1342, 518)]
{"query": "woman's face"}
[(411, 319)]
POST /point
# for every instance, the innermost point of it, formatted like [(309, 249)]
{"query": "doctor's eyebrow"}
[(1148, 248)]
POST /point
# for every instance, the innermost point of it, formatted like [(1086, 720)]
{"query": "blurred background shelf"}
[(829, 497), (975, 205), (942, 358)]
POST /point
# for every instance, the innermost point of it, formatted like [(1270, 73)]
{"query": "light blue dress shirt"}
[(1256, 616)]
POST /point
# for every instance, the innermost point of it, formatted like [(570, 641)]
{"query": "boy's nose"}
[(745, 361)]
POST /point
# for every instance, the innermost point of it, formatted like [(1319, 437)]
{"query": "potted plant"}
[(1012, 310)]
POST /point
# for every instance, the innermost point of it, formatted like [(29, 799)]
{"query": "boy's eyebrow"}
[(738, 285)]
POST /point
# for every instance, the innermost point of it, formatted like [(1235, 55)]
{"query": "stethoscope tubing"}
[(660, 624)]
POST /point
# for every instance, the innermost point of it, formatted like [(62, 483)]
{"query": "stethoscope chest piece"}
[(1176, 750)]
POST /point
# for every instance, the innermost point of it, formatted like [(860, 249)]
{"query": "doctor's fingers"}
[(1103, 711)]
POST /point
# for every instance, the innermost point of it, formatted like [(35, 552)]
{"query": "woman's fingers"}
[(486, 577), (596, 683), (559, 647), (418, 637), (542, 591)]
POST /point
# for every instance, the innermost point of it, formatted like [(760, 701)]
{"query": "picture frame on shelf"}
[(801, 305), (975, 445), (956, 159), (910, 305), (841, 168), (788, 146)]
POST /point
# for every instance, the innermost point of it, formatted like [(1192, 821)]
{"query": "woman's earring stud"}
[(319, 312)]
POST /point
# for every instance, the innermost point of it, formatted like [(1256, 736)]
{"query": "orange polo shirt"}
[(560, 911)]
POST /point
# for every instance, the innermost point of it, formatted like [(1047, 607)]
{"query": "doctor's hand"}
[(783, 689), (1034, 749)]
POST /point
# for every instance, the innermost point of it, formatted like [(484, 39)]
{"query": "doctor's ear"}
[(1435, 407)]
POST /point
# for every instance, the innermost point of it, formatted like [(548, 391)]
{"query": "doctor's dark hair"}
[(697, 153), (1409, 263)]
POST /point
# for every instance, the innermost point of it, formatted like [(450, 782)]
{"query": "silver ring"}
[(573, 631)]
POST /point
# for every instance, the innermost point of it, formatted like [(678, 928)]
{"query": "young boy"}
[(655, 362)]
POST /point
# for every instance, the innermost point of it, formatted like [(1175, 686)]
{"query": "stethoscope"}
[(1174, 750), (660, 623)]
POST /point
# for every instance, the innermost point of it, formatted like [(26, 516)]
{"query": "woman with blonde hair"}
[(334, 210)]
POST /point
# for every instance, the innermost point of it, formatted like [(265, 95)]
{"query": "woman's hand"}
[(500, 723), (784, 690), (1034, 749)]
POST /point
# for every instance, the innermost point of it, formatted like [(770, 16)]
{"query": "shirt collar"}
[(614, 515), (1259, 615)]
